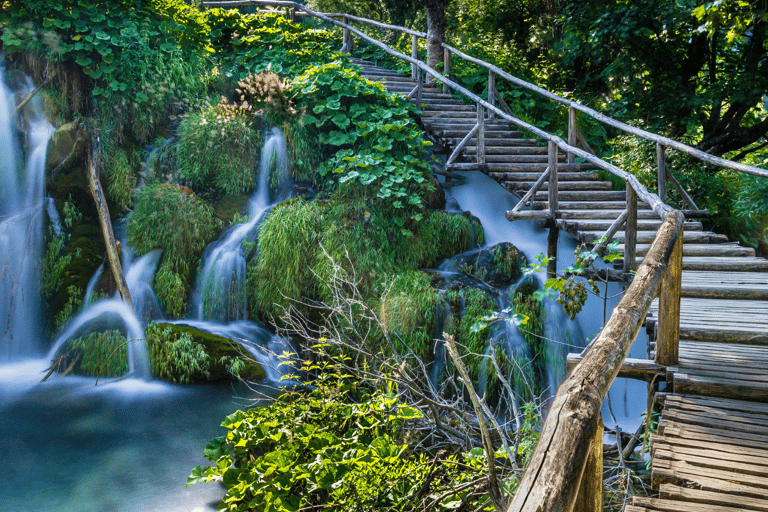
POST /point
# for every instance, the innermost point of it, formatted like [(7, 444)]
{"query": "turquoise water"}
[(67, 445)]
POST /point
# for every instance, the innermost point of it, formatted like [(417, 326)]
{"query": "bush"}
[(339, 447), (220, 145), (100, 354), (176, 356), (174, 219), (121, 180)]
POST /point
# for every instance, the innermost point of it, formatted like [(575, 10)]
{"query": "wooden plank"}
[(736, 423), (718, 456), (706, 461), (719, 413), (700, 441), (671, 491), (712, 434), (721, 403), (664, 475), (681, 506), (728, 388), (669, 467)]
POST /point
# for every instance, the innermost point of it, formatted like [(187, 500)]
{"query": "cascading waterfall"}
[(220, 293), (22, 207)]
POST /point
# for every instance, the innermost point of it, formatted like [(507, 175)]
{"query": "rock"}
[(65, 141), (218, 347), (436, 198), (499, 266)]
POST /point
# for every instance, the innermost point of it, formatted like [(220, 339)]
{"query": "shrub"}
[(176, 356), (100, 354), (121, 180), (174, 219), (220, 145)]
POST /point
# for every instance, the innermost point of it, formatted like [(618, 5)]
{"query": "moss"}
[(408, 313), (220, 351), (472, 305), (303, 150), (533, 330), (176, 356), (230, 207), (100, 354), (174, 219)]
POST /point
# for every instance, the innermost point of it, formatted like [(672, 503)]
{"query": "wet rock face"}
[(499, 266), (64, 141)]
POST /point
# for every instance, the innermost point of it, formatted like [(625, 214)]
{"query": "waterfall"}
[(22, 207), (220, 293)]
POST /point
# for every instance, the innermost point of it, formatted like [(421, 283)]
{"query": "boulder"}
[(67, 145), (218, 347), (499, 266)]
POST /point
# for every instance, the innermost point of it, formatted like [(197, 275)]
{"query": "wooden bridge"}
[(702, 299)]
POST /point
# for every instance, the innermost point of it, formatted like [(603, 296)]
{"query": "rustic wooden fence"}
[(565, 472)]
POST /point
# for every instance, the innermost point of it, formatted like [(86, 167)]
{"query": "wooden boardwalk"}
[(711, 450)]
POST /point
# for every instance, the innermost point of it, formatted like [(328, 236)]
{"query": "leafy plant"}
[(100, 354), (176, 356)]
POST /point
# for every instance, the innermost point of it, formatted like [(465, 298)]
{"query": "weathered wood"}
[(630, 230), (528, 195), (491, 92), (661, 172), (415, 56), (552, 182), (551, 481), (446, 69), (552, 238), (712, 498), (680, 190), (669, 303), (612, 230), (480, 154), (530, 214), (457, 151), (571, 132), (346, 45), (638, 369), (113, 255), (590, 497)]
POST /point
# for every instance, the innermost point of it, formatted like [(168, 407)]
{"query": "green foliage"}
[(176, 356), (174, 219), (118, 169), (220, 144), (751, 208), (408, 313), (74, 299), (474, 306), (100, 354), (287, 249), (373, 142), (131, 51), (338, 447)]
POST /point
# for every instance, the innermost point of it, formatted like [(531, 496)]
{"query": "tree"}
[(681, 67), (435, 30)]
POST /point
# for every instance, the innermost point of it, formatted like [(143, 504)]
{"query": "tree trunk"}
[(106, 227), (435, 31)]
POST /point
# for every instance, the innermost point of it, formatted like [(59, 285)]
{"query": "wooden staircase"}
[(711, 422)]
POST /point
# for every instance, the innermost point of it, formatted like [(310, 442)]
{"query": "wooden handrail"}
[(553, 478)]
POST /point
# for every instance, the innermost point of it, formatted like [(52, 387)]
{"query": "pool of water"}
[(68, 445)]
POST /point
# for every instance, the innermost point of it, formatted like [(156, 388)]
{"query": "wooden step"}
[(642, 225), (507, 150), (709, 250), (603, 214), (510, 159), (724, 285), (646, 237), (599, 195), (429, 116), (533, 176), (573, 205), (723, 263), (490, 144), (459, 128), (524, 186)]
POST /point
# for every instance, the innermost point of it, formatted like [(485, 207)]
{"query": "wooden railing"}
[(565, 472)]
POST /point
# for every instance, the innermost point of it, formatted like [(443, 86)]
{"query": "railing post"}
[(630, 230), (491, 91), (414, 54), (590, 497), (346, 44), (552, 163), (419, 88), (571, 132), (446, 68), (661, 165), (668, 337), (480, 135)]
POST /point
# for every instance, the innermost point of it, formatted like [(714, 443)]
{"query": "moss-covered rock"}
[(65, 141), (185, 354), (499, 266)]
